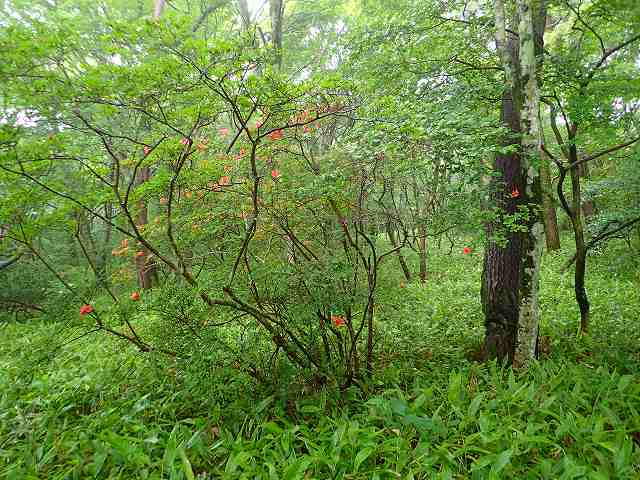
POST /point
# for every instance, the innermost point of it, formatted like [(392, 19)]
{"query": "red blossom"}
[(135, 296), (85, 309), (185, 141), (515, 193), (275, 174), (276, 135), (337, 320), (466, 250)]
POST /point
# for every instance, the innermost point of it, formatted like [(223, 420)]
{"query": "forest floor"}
[(97, 409)]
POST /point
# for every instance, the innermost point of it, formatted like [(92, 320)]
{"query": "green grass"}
[(95, 408)]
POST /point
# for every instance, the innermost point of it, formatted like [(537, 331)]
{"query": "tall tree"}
[(276, 11), (528, 314), (145, 265), (501, 271)]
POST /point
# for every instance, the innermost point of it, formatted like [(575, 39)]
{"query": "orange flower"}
[(515, 193), (135, 296), (225, 181), (337, 320), (276, 135), (85, 309), (203, 144), (275, 174)]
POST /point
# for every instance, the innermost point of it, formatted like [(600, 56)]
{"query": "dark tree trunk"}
[(574, 212), (581, 250), (403, 263), (501, 269)]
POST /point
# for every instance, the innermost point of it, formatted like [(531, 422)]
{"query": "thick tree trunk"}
[(501, 270)]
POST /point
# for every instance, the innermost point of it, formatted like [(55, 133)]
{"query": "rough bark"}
[(501, 270)]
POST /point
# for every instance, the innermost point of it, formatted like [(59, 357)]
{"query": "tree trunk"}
[(403, 263), (501, 270), (548, 206), (276, 9), (581, 250), (145, 266), (245, 15), (422, 248), (589, 206), (157, 8), (548, 203), (529, 310)]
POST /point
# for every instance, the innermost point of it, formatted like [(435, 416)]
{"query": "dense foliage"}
[(305, 239)]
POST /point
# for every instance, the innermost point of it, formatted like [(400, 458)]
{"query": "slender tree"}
[(529, 311)]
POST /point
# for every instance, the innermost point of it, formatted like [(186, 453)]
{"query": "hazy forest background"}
[(296, 239)]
